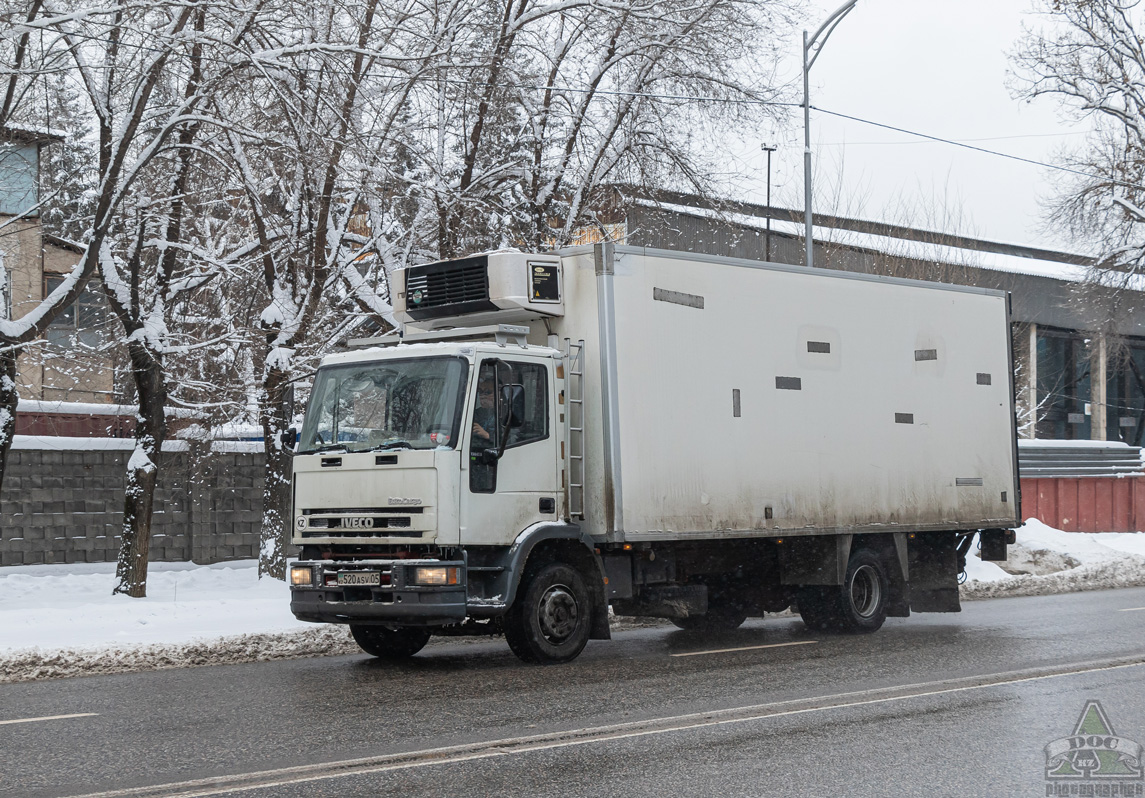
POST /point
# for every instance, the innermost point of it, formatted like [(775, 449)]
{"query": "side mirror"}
[(489, 456), (512, 406), (288, 437)]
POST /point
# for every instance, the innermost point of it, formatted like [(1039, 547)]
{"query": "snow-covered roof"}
[(95, 409), (1049, 443), (895, 246), (60, 443), (31, 133)]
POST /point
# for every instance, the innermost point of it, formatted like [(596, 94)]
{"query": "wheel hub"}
[(558, 614), (866, 591)]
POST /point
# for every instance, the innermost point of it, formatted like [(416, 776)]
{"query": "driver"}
[(485, 414)]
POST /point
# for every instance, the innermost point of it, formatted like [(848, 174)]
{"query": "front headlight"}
[(436, 575), (301, 575)]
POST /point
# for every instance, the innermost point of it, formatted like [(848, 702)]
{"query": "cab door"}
[(509, 479)]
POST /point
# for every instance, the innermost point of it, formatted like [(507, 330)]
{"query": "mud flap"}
[(599, 630), (933, 568), (898, 602), (993, 544)]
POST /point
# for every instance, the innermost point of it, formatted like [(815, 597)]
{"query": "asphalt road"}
[(932, 705)]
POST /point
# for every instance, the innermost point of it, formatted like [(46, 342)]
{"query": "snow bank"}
[(62, 620), (31, 664), (1059, 562)]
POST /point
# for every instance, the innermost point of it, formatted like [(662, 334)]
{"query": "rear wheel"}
[(385, 643), (858, 605), (549, 620)]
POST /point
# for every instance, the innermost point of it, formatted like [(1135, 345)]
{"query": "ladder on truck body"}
[(574, 427)]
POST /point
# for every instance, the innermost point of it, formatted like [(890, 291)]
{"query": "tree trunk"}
[(8, 401), (275, 418), (142, 472)]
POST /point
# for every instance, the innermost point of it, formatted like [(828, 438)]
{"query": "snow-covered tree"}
[(68, 172), (46, 38), (263, 165), (540, 104), (309, 152), (1089, 55), (148, 71)]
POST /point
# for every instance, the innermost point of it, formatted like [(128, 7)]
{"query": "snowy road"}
[(934, 704)]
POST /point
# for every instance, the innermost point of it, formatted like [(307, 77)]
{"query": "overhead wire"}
[(973, 147)]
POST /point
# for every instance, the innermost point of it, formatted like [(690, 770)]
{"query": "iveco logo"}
[(403, 502), (358, 523)]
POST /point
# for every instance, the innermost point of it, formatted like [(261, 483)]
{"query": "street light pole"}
[(812, 43), (767, 238)]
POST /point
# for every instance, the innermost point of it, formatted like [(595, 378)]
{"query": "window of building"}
[(1125, 392), (82, 321), (1063, 385)]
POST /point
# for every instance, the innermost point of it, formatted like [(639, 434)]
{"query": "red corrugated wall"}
[(1086, 504)]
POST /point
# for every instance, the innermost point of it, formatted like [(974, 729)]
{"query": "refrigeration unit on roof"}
[(498, 287)]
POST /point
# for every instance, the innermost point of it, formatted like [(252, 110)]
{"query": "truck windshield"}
[(393, 404)]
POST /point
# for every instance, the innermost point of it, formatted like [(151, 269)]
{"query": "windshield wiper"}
[(381, 447), (329, 447)]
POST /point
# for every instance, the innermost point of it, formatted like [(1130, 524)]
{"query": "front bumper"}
[(395, 601)]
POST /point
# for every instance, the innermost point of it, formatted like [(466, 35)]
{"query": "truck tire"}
[(858, 605), (550, 619), (385, 643)]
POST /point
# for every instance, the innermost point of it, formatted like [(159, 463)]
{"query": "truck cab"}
[(419, 469)]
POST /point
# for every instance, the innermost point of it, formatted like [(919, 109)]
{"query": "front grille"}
[(359, 533), (392, 522), (362, 510)]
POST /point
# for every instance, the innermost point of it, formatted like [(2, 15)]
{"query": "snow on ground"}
[(56, 606), (1047, 560), (62, 620)]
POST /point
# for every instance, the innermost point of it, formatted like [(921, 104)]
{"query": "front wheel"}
[(549, 621), (385, 643)]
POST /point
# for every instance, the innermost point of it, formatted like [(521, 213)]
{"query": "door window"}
[(519, 392)]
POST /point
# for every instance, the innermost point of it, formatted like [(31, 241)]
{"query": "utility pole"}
[(812, 43), (767, 238)]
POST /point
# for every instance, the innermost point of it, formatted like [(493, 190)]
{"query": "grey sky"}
[(934, 67)]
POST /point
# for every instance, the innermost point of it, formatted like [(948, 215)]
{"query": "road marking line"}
[(744, 648), (243, 782), (49, 717), (1132, 609)]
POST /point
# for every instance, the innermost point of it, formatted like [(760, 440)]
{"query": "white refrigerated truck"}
[(682, 436)]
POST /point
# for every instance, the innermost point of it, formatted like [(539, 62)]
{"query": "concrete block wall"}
[(67, 506)]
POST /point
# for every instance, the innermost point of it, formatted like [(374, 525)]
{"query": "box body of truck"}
[(693, 437)]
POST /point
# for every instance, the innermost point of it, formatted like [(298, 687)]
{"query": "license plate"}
[(359, 578)]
